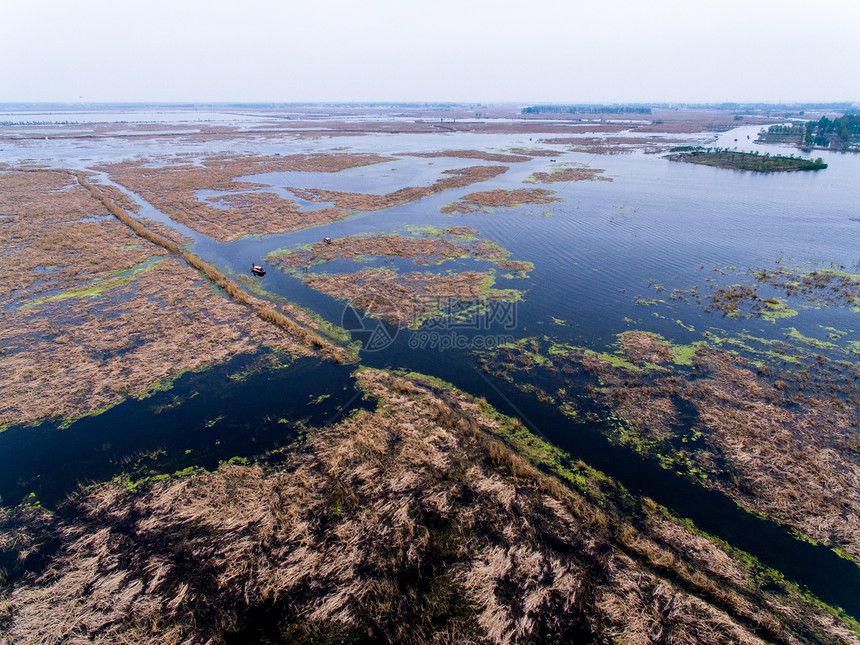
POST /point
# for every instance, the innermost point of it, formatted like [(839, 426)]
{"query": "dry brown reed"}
[(497, 198), (783, 449), (262, 308), (402, 298), (84, 330), (243, 209), (469, 154), (386, 527), (421, 250), (568, 175)]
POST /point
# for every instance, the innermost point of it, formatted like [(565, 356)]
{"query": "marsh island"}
[(745, 160)]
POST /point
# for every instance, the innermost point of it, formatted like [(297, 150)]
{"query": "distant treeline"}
[(586, 109), (841, 133), (646, 108), (5, 123), (772, 107)]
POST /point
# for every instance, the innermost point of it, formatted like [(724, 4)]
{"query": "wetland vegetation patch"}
[(423, 249), (456, 178), (102, 320), (780, 440), (172, 184), (385, 527), (752, 161), (614, 145), (403, 297), (474, 202), (567, 173), (470, 154), (410, 298)]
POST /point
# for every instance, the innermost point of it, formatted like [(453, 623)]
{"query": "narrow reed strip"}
[(260, 307)]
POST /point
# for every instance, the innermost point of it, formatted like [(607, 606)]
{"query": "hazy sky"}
[(444, 50)]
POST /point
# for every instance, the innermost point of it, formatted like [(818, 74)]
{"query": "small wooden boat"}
[(257, 270)]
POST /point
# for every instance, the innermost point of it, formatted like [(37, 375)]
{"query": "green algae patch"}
[(425, 231), (775, 309), (615, 360), (795, 335), (835, 334), (683, 354), (530, 348), (680, 323), (99, 287), (741, 343)]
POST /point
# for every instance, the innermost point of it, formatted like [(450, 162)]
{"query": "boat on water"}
[(257, 269)]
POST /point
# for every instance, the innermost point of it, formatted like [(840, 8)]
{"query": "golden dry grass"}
[(264, 310), (400, 298), (788, 453), (173, 190), (89, 324), (421, 250), (568, 175), (56, 236), (409, 524), (497, 198)]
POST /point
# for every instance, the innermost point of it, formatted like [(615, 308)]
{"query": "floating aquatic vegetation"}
[(482, 201), (782, 441)]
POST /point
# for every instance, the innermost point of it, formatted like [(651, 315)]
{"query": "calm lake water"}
[(596, 253)]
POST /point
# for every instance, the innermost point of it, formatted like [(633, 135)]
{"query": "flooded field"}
[(692, 333)]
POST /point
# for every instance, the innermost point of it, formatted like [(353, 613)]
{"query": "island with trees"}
[(725, 158)]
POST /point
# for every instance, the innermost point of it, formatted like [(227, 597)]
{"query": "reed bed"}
[(469, 154), (421, 250), (57, 237), (67, 358), (245, 210), (413, 523), (406, 298), (567, 175), (781, 443), (98, 313), (474, 202), (261, 307)]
